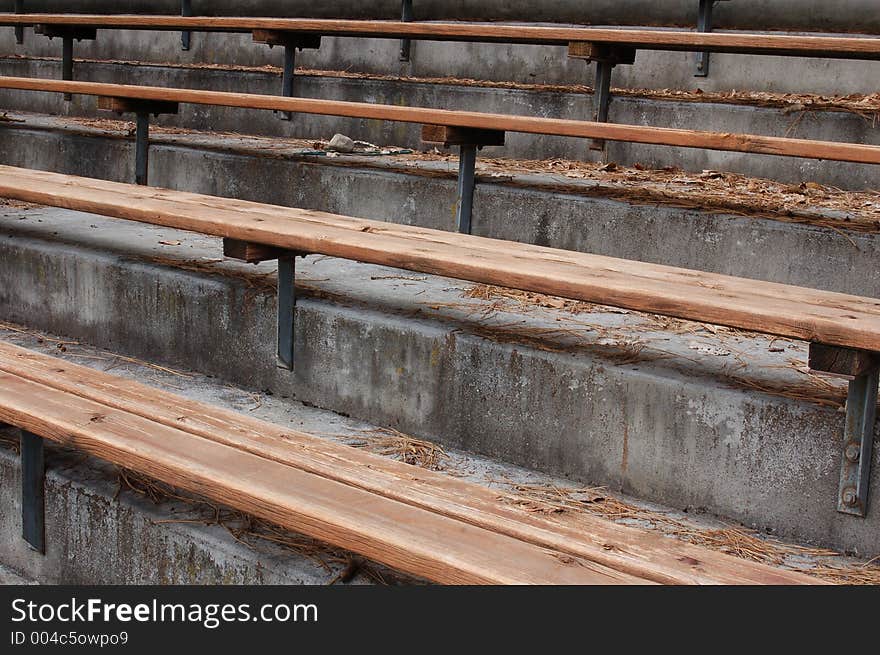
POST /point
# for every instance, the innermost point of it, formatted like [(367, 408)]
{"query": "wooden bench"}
[(607, 47), (421, 522), (843, 330), (467, 130), (840, 47)]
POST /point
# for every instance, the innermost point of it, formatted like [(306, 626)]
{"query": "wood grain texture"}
[(766, 145), (633, 551), (675, 40), (846, 362), (779, 309), (404, 537)]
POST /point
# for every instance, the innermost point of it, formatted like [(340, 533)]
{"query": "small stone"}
[(341, 143)]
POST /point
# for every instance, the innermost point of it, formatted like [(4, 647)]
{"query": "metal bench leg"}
[(19, 29), (468, 141), (290, 41), (286, 309), (33, 491), (288, 77), (602, 98), (406, 16), (606, 56), (186, 35), (858, 439), (67, 62), (142, 148), (704, 24), (467, 164), (862, 369)]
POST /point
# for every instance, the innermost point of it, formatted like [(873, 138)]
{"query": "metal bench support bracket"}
[(406, 16), (862, 369), (185, 35), (291, 42), (19, 29), (606, 57), (468, 141), (33, 491), (142, 110), (67, 33), (254, 253), (704, 24)]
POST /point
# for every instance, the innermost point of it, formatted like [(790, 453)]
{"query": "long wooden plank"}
[(675, 40), (812, 315), (633, 551), (404, 537), (767, 145)]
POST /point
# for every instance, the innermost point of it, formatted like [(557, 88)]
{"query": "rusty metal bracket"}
[(862, 369), (254, 253), (606, 56), (468, 140)]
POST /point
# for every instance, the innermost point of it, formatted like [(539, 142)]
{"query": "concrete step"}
[(822, 125), (494, 62), (841, 15), (671, 221), (668, 411)]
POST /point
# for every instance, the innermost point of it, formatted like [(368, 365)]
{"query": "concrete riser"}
[(827, 126), (748, 247), (680, 437)]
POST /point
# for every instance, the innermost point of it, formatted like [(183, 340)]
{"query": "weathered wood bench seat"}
[(425, 523)]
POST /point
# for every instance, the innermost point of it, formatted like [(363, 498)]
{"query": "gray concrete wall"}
[(840, 15), (828, 126), (411, 352), (502, 63), (532, 209)]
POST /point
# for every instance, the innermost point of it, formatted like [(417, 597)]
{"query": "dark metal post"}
[(286, 309), (406, 16), (467, 163), (142, 148), (288, 76), (33, 491), (858, 438), (704, 24), (19, 29), (601, 98), (185, 35), (67, 61)]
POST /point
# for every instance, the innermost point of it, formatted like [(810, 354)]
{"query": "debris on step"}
[(341, 143)]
